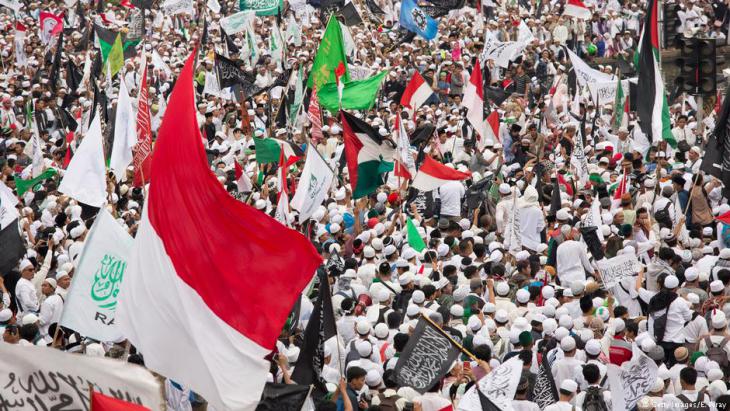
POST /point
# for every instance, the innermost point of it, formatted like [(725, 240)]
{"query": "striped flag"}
[(416, 93), (315, 118), (142, 158)]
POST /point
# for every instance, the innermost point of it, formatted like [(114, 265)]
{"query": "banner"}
[(228, 72), (14, 5), (313, 186), (262, 7), (513, 235), (136, 26), (617, 268), (214, 6), (278, 397), (579, 161), (426, 358), (544, 392), (633, 380), (499, 386), (173, 7), (92, 300), (501, 52), (587, 75), (40, 378), (236, 23), (606, 90)]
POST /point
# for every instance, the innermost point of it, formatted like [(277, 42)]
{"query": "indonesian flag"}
[(405, 165), (315, 118), (143, 149), (50, 25), (433, 175), (100, 402), (200, 315), (242, 181), (493, 127), (474, 103), (416, 93), (576, 8)]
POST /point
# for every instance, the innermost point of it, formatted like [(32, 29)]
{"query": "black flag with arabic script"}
[(717, 154), (283, 397), (426, 358), (544, 392)]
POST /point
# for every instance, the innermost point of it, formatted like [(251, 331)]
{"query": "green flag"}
[(267, 150), (24, 185), (330, 55), (357, 95), (618, 105), (115, 57), (414, 239)]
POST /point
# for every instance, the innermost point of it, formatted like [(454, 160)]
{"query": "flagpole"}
[(91, 397), (456, 344)]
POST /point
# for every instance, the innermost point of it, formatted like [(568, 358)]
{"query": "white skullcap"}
[(567, 344), (418, 297), (456, 311), (381, 330), (593, 347), (25, 264), (364, 348), (671, 282), (30, 319), (502, 288), (474, 323), (569, 385), (363, 327), (501, 316), (373, 378), (523, 296)]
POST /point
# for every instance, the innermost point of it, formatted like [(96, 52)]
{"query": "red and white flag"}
[(433, 175), (242, 180), (474, 103), (621, 188), (143, 149), (405, 165), (416, 93), (576, 8), (50, 25), (189, 302), (493, 127), (315, 118)]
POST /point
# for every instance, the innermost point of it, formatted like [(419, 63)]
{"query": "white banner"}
[(173, 7), (236, 23), (11, 4), (578, 159), (587, 75), (41, 378), (313, 186), (605, 92), (214, 6), (617, 268), (92, 300), (633, 380), (501, 52), (499, 386)]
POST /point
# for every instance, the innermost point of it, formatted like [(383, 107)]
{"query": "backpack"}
[(593, 400), (388, 403), (660, 323), (663, 218), (698, 405), (717, 352)]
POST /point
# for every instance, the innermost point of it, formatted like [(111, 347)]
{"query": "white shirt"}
[(451, 194), (50, 312), (502, 213), (27, 298), (678, 314), (560, 406), (573, 262), (532, 223), (524, 405), (564, 369)]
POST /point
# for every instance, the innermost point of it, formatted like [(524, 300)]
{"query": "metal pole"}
[(700, 117)]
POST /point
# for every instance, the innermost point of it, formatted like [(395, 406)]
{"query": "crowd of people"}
[(540, 299)]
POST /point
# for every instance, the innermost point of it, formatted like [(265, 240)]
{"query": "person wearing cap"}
[(593, 392), (718, 337), (620, 349), (25, 292), (51, 307), (504, 205), (564, 370), (572, 258), (689, 397), (674, 312), (566, 393)]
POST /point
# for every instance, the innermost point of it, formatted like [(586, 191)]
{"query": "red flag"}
[(724, 218), (563, 182), (339, 72), (100, 402), (142, 154), (67, 156), (621, 189), (315, 118)]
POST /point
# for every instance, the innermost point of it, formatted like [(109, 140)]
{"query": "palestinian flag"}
[(651, 100), (268, 150), (368, 155), (433, 175), (106, 42)]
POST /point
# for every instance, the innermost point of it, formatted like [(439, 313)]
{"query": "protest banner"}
[(617, 268), (499, 387), (262, 7), (426, 358), (236, 23), (173, 7), (633, 380), (587, 75), (40, 378), (501, 52), (605, 90)]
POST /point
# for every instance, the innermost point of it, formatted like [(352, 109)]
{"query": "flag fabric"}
[(91, 303), (405, 164), (724, 218), (314, 184), (107, 38), (434, 174), (85, 177), (21, 186), (555, 200), (282, 214), (283, 397), (13, 248), (416, 93), (545, 392), (651, 98), (228, 72), (356, 94), (621, 117), (268, 150), (350, 14), (414, 238), (169, 309), (414, 19), (125, 134), (314, 113), (21, 59), (115, 59), (563, 182), (492, 127), (499, 387), (36, 146), (100, 402), (633, 380), (621, 188), (576, 8), (55, 74), (242, 181), (142, 157), (368, 155), (513, 235), (330, 55), (716, 161), (320, 328), (50, 25), (426, 358), (474, 103), (579, 161)]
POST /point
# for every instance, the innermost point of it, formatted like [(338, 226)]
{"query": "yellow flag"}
[(115, 59)]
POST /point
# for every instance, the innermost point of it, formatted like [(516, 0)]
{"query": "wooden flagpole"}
[(456, 344)]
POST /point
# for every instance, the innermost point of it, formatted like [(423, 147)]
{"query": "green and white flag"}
[(251, 45), (262, 7), (91, 303), (313, 186), (236, 23), (298, 96), (293, 32)]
